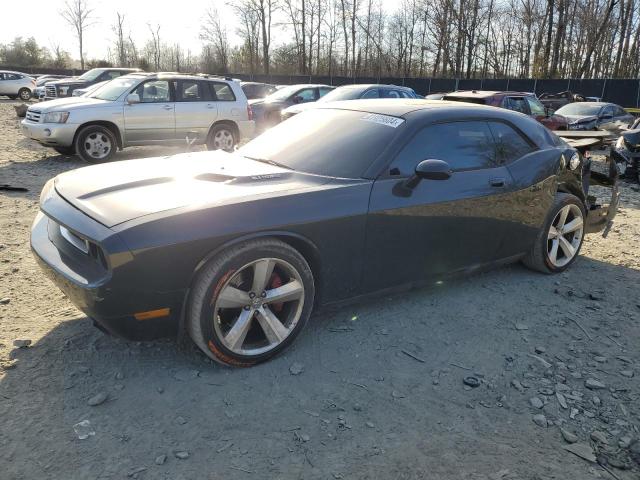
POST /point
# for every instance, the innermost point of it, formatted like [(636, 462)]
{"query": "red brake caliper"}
[(276, 282)]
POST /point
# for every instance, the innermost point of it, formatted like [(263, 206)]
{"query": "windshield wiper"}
[(270, 162)]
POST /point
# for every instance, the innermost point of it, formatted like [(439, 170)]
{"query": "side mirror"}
[(428, 170), (133, 98)]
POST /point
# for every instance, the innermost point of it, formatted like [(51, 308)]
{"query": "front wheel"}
[(24, 94), (96, 143), (251, 302), (560, 238)]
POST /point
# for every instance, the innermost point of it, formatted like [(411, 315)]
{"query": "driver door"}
[(153, 119), (439, 226)]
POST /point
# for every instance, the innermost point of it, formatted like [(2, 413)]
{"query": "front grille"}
[(51, 91), (33, 116)]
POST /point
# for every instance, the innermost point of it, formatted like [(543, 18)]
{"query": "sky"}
[(180, 22)]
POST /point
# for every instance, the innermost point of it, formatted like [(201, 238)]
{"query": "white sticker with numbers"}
[(387, 120)]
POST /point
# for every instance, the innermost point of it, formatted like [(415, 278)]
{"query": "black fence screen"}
[(625, 92)]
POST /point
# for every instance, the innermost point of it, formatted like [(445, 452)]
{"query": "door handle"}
[(167, 107), (497, 182), (210, 106)]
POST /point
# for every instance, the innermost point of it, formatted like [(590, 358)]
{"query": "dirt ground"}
[(381, 394)]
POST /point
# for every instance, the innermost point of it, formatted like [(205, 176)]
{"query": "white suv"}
[(16, 84), (144, 109)]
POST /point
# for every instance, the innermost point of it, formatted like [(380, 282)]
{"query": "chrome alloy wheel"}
[(223, 140), (259, 306), (97, 145), (565, 235)]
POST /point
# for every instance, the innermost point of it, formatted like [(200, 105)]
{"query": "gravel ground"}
[(378, 390)]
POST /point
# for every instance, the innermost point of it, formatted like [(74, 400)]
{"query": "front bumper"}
[(98, 290), (50, 134)]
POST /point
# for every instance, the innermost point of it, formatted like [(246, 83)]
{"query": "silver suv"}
[(144, 109), (16, 84)]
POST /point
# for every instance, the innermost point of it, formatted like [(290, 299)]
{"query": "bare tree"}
[(121, 47), (212, 32), (78, 14)]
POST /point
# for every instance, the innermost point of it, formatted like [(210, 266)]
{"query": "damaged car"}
[(626, 153), (596, 115), (344, 201)]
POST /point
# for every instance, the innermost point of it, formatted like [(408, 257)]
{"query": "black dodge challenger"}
[(342, 201)]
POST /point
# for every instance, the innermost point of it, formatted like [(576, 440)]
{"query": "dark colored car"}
[(266, 112), (345, 200), (256, 90), (65, 88), (596, 115), (521, 102), (352, 92)]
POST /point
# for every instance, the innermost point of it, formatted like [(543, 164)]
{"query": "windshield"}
[(91, 74), (113, 89), (283, 93), (300, 143), (342, 94), (579, 109)]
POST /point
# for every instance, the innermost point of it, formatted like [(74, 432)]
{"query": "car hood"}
[(581, 118), (68, 103), (114, 193)]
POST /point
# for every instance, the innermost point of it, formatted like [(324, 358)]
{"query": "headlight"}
[(47, 191), (620, 143), (575, 161), (56, 117)]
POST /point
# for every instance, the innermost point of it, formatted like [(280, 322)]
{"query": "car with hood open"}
[(596, 115), (344, 201)]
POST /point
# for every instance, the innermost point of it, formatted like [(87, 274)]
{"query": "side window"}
[(536, 107), (222, 92), (324, 90), (1, 76), (509, 144), (607, 112), (190, 91), (620, 112), (111, 74), (517, 104), (373, 93), (386, 93), (154, 91), (307, 95), (468, 146)]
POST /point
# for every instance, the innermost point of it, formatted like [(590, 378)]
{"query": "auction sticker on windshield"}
[(387, 120)]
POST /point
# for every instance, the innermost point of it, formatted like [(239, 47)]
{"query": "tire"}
[(96, 143), (24, 94), (541, 257), (222, 137), (68, 151), (223, 286)]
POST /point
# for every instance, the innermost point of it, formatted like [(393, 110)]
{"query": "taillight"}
[(249, 112)]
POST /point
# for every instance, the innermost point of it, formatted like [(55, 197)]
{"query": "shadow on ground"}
[(381, 394)]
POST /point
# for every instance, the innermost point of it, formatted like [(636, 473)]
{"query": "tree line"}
[(360, 38)]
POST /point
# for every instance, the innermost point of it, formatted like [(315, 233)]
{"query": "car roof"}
[(176, 76), (13, 71), (485, 93), (404, 106), (594, 104), (374, 85)]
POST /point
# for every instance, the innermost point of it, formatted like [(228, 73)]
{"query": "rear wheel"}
[(221, 137), (251, 302), (96, 143), (24, 94), (561, 237)]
